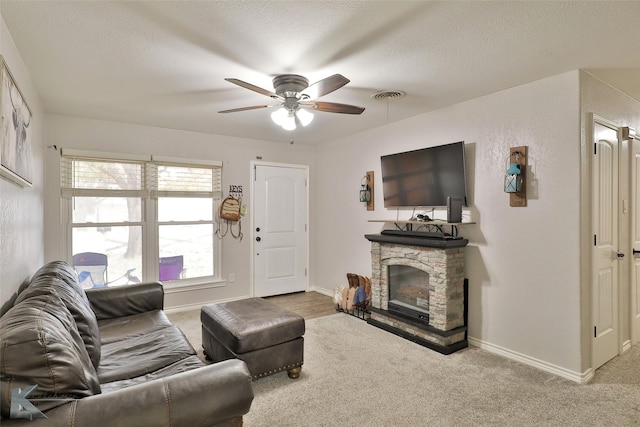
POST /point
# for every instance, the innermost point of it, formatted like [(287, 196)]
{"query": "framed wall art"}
[(16, 157)]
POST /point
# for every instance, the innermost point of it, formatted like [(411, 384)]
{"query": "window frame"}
[(149, 205)]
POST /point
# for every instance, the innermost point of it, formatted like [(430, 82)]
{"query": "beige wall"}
[(529, 270), (522, 263), (21, 226), (235, 153)]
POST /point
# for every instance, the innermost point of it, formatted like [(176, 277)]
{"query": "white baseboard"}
[(322, 291), (578, 377)]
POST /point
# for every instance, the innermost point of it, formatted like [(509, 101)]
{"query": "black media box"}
[(454, 209)]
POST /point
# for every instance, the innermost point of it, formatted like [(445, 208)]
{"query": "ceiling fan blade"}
[(333, 107), (325, 86), (254, 107), (254, 88)]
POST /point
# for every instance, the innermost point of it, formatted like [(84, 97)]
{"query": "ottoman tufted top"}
[(251, 324)]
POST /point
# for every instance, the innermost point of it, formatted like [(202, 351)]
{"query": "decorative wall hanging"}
[(15, 140), (515, 177), (366, 190), (231, 212)]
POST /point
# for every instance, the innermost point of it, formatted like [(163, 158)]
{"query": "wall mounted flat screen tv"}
[(424, 177)]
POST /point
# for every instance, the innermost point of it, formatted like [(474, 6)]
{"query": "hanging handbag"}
[(230, 209)]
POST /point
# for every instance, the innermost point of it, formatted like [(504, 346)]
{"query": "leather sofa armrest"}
[(120, 301), (200, 397)]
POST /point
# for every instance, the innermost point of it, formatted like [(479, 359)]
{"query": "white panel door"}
[(605, 245), (279, 232), (635, 241)]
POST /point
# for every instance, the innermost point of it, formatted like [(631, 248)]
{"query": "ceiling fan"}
[(297, 98)]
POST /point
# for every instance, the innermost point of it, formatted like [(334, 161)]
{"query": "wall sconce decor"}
[(366, 190), (514, 179), (365, 193)]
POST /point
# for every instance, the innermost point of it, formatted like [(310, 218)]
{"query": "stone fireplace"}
[(427, 303)]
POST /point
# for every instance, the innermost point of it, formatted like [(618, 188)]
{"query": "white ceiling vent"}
[(388, 95)]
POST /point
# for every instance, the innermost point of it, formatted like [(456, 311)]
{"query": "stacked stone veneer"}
[(445, 267)]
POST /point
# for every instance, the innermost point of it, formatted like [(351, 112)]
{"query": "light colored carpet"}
[(357, 375)]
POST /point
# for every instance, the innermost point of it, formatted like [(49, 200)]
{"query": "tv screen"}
[(424, 177)]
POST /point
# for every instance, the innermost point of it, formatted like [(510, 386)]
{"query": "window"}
[(186, 217), (152, 218)]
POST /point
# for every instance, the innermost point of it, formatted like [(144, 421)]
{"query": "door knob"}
[(636, 252), (620, 255), (258, 239)]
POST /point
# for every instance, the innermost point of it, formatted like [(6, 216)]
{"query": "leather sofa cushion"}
[(40, 344), (119, 328), (120, 301), (60, 278), (191, 362), (138, 355), (251, 324)]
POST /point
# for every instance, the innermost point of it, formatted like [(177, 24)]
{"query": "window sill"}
[(187, 285)]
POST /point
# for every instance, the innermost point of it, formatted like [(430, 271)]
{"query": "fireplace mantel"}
[(408, 225), (412, 240)]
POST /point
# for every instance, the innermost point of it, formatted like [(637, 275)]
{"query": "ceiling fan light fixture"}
[(295, 94), (279, 116), (284, 118), (289, 123), (304, 116)]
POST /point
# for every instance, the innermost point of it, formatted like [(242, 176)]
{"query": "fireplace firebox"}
[(409, 292)]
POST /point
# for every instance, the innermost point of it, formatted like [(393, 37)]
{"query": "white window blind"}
[(170, 180), (84, 177), (110, 176)]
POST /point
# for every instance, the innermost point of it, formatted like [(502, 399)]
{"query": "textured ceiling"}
[(164, 63)]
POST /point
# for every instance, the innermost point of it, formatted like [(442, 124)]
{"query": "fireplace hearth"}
[(418, 290)]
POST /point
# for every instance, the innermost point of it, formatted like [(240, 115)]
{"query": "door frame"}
[(632, 140), (625, 290), (619, 223), (252, 179)]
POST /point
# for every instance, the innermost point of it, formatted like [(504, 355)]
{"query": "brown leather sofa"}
[(110, 357)]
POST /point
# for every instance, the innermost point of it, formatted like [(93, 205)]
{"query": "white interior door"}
[(280, 240), (605, 246), (635, 241)]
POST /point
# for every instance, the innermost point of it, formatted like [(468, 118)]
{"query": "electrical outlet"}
[(232, 277)]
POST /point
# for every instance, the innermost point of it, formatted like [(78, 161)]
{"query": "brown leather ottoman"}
[(265, 336)]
